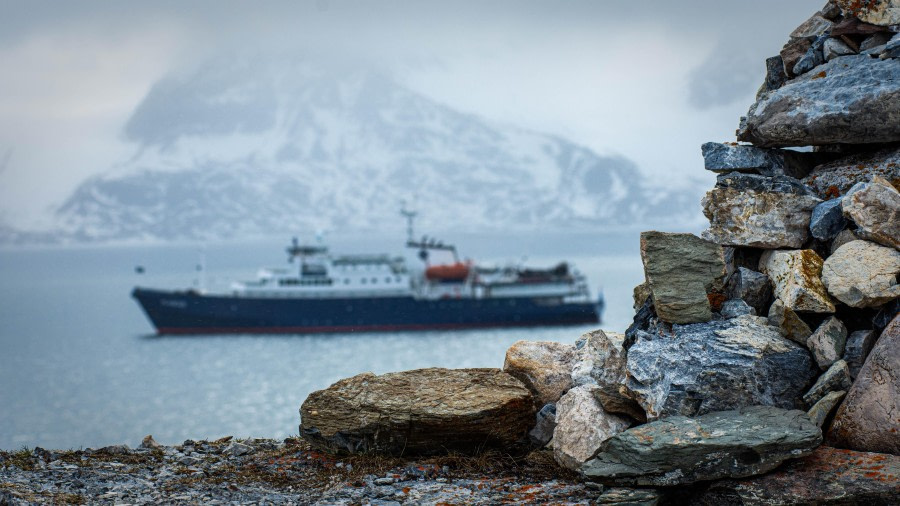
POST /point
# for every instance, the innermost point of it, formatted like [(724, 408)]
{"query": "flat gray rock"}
[(680, 450), (827, 342), (827, 220), (857, 349), (835, 178), (719, 365), (849, 100), (729, 157), (836, 378), (681, 270)]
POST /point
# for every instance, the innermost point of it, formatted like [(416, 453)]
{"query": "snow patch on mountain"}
[(245, 147)]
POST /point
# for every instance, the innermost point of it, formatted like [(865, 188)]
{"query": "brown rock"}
[(543, 367), (792, 52), (796, 275), (788, 323), (869, 418), (420, 412), (828, 476)]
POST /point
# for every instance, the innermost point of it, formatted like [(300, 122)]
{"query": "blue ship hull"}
[(193, 313)]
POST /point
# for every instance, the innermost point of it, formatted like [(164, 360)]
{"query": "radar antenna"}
[(410, 216)]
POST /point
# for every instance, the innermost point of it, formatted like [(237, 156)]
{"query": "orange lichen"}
[(820, 75), (716, 300)]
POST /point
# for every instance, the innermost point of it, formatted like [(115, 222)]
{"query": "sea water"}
[(80, 365)]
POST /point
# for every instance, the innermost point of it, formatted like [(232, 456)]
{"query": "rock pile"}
[(775, 330)]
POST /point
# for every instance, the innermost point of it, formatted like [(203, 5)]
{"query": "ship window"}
[(346, 281), (363, 280), (387, 280), (397, 279), (374, 280)]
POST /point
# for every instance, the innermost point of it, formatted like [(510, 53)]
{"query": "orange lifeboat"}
[(458, 271)]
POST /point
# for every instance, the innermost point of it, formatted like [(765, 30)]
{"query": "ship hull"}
[(192, 313)]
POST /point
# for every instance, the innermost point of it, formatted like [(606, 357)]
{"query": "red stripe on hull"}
[(358, 328)]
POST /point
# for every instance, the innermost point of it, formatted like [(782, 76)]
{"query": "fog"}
[(648, 81)]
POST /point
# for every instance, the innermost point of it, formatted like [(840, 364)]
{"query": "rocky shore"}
[(762, 365)]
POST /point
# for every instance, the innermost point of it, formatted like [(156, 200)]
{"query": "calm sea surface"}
[(80, 365)]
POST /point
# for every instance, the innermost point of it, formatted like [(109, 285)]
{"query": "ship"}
[(320, 292)]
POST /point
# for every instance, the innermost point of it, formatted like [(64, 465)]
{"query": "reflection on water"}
[(79, 368)]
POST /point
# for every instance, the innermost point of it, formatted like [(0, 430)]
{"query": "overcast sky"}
[(648, 80)]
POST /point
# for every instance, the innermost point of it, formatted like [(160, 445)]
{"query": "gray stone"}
[(545, 423), (681, 450), (813, 57), (827, 343), (420, 412), (862, 274), (788, 323), (835, 48), (835, 379), (681, 270), (843, 237), (736, 307), (858, 346), (796, 276), (544, 367), (775, 75), (752, 287), (762, 184), (868, 418), (695, 369), (835, 178), (622, 496), (827, 477), (730, 157), (820, 410), (827, 220), (851, 100), (600, 360), (875, 208), (875, 41), (891, 49), (582, 426), (237, 449), (877, 12)]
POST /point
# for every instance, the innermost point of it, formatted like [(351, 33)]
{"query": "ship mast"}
[(410, 216)]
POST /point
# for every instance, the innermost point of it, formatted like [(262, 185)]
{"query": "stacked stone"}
[(750, 345)]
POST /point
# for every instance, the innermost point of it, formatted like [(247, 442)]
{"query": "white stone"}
[(795, 275), (582, 426), (862, 274)]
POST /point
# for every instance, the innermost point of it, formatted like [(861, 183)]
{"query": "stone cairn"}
[(751, 346)]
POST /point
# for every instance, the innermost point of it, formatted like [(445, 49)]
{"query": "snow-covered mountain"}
[(251, 147)]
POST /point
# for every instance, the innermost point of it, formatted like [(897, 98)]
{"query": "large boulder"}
[(862, 274), (419, 412), (582, 426), (827, 476), (875, 208), (756, 211), (835, 178), (600, 360), (680, 450), (849, 100), (681, 270), (876, 12), (869, 418), (544, 367), (719, 365), (796, 275)]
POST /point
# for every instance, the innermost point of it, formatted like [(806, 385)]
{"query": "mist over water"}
[(80, 365)]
